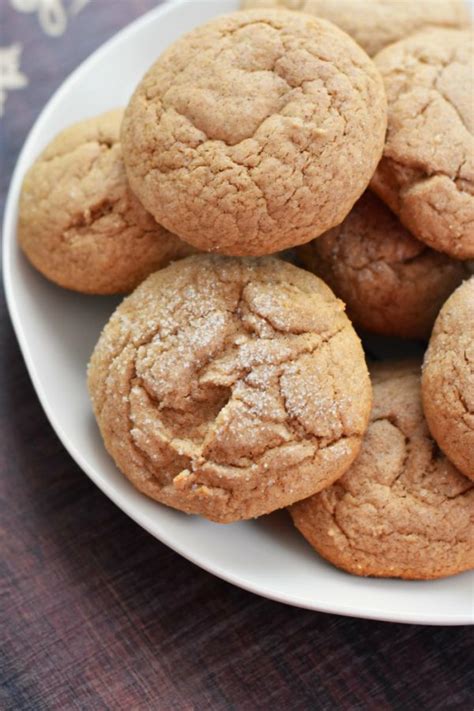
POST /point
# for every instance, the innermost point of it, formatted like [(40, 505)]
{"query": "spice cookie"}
[(230, 388), (374, 24), (255, 132), (79, 223), (402, 510), (448, 379), (427, 173), (392, 284)]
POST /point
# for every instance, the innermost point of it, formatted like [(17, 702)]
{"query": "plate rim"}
[(120, 500)]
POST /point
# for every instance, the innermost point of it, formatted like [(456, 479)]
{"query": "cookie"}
[(426, 175), (230, 388), (255, 132), (392, 284), (374, 24), (402, 510), (448, 379), (79, 223)]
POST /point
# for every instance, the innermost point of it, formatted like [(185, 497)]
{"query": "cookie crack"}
[(420, 175), (101, 143)]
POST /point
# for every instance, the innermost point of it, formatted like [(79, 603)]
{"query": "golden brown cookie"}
[(402, 510), (230, 388), (448, 379), (376, 23), (427, 173), (255, 132), (79, 223), (392, 284)]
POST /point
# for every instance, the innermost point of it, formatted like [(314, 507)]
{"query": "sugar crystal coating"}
[(230, 387)]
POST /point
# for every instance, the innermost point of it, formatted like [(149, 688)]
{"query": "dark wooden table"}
[(96, 614)]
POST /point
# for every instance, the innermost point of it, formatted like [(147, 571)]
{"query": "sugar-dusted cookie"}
[(402, 510), (230, 388), (79, 223), (427, 172), (255, 132), (376, 23), (392, 284), (448, 379)]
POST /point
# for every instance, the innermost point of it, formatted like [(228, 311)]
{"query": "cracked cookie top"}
[(391, 283), (230, 388), (426, 174), (402, 509), (255, 132), (376, 23), (448, 379), (79, 223)]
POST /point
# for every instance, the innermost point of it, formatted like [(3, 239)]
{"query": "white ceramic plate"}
[(58, 329)]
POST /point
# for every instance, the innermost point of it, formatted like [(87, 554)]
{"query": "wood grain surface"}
[(95, 613)]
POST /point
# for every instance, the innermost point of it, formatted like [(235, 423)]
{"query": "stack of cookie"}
[(232, 383)]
